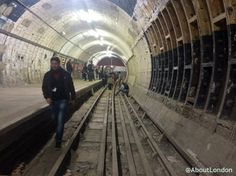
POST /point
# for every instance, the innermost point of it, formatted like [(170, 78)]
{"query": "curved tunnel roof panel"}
[(72, 17), (98, 39), (128, 7)]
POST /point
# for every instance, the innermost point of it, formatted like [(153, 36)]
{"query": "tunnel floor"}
[(115, 137)]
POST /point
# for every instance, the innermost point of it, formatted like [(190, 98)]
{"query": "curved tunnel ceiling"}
[(85, 27)]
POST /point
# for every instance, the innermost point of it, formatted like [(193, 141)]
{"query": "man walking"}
[(58, 89)]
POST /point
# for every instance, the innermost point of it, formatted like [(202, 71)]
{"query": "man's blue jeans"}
[(59, 112)]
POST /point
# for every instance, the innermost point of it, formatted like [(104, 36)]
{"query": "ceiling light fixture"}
[(87, 16)]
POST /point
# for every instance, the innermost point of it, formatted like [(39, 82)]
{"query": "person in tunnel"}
[(124, 88), (97, 73), (58, 89), (110, 81), (69, 67), (104, 77), (90, 69), (84, 72), (100, 73)]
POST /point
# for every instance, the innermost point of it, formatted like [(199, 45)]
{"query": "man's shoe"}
[(58, 145)]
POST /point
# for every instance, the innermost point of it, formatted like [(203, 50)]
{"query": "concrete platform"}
[(19, 102)]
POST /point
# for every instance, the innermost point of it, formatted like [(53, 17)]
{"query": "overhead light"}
[(88, 16), (108, 53), (101, 41), (94, 33)]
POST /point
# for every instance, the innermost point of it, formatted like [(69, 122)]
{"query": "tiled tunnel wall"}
[(139, 66), (193, 55), (25, 63), (27, 45)]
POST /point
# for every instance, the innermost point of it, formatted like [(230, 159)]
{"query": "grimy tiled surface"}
[(18, 102)]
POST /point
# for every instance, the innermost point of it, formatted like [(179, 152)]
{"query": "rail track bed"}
[(116, 137)]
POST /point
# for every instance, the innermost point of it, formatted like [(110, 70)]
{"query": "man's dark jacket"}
[(68, 84)]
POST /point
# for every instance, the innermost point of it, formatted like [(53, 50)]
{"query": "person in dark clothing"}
[(101, 72), (84, 72), (124, 88), (69, 67), (110, 81), (97, 73), (58, 89), (104, 79), (100, 75), (90, 71)]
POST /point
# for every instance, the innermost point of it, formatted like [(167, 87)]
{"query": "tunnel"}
[(179, 57)]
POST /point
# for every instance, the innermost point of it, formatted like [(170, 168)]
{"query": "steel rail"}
[(164, 160), (102, 154), (188, 158), (146, 165), (115, 167), (65, 151), (129, 155)]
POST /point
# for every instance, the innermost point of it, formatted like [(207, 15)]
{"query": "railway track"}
[(116, 137)]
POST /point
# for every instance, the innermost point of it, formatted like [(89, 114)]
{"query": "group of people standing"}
[(89, 72), (112, 78)]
